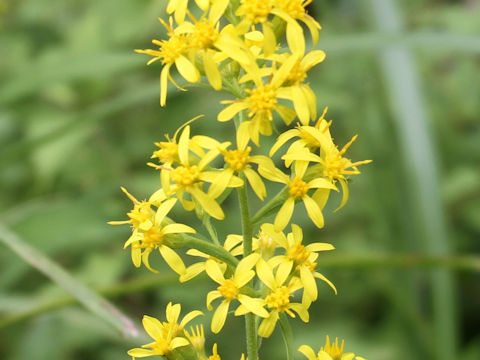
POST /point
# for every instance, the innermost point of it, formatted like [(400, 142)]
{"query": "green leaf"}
[(287, 336)]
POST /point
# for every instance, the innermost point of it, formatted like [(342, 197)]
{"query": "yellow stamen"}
[(298, 188), (262, 100), (298, 253), (237, 159), (228, 290), (279, 299), (185, 176)]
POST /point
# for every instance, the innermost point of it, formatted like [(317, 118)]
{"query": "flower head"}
[(167, 335), (332, 351)]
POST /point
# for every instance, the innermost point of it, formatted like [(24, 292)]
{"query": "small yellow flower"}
[(332, 351), (179, 8), (172, 51), (300, 258), (297, 190), (141, 212), (167, 336), (238, 161), (230, 289), (151, 235), (262, 101), (333, 166), (196, 336), (278, 298)]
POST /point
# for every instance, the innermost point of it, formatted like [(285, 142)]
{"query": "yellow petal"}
[(220, 183), (320, 196), (192, 271), (312, 58), (213, 270), (217, 9), (212, 295), (146, 262), (188, 71), (283, 271), (308, 281), (163, 210), (172, 259), (268, 325), (140, 353), (177, 228), (300, 104), (231, 110), (153, 327), (219, 317), (189, 317), (265, 274), (308, 352), (178, 342), (208, 204), (295, 38), (314, 212), (269, 42), (164, 84), (254, 305), (321, 277), (284, 214), (282, 73), (183, 146), (301, 311), (321, 183), (211, 70), (256, 183), (345, 193), (282, 139)]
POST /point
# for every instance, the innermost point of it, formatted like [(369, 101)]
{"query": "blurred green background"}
[(79, 113)]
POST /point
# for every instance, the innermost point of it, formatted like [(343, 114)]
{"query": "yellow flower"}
[(151, 235), (329, 352), (196, 336), (300, 258), (238, 161), (333, 165), (214, 355), (297, 190), (211, 46), (190, 175), (170, 52), (141, 212), (167, 336), (295, 9), (278, 299), (230, 289), (262, 101)]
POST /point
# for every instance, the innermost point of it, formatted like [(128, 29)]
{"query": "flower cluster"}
[(263, 273)]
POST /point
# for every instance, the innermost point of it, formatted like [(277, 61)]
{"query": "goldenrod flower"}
[(167, 336), (300, 258), (262, 101), (237, 161), (172, 51), (214, 355), (139, 215), (151, 235), (278, 299), (230, 289), (332, 351), (295, 9), (196, 336), (333, 165), (189, 177), (297, 190)]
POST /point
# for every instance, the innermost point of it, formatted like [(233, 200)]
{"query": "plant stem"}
[(210, 249)]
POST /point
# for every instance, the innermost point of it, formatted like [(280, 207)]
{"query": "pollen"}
[(140, 213), (228, 290), (279, 300), (167, 153), (152, 237), (298, 253), (294, 8), (171, 49), (185, 176), (255, 10), (160, 345), (298, 188), (204, 35), (237, 159), (262, 100), (334, 166)]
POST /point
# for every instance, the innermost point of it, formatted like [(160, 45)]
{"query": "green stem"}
[(275, 202), (216, 251), (211, 230)]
